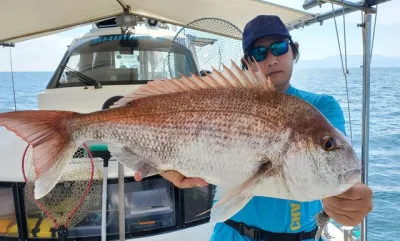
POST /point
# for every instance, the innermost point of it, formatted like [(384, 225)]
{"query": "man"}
[(267, 41)]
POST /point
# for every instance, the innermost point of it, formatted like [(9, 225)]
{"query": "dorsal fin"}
[(228, 78)]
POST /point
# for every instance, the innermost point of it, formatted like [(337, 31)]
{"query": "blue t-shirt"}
[(278, 215)]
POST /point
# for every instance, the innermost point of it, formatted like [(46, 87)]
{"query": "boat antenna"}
[(373, 34), (10, 45)]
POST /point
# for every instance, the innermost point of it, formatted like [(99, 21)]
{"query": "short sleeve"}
[(331, 109)]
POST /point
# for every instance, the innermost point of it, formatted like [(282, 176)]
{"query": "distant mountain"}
[(353, 61)]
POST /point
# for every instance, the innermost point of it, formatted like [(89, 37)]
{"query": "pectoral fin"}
[(128, 158), (226, 210), (144, 170), (234, 200)]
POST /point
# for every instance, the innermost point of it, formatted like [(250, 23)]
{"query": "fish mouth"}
[(350, 176)]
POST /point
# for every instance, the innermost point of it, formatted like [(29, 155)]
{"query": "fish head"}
[(320, 163)]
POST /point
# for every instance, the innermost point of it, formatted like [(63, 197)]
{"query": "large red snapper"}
[(230, 128)]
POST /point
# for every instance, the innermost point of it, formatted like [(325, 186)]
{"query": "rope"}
[(373, 34), (344, 35), (345, 72), (12, 80)]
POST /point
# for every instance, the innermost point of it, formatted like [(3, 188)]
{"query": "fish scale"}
[(228, 124)]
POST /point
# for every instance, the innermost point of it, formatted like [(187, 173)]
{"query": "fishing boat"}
[(105, 64)]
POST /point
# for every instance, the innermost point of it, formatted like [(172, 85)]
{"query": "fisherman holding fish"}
[(273, 151), (267, 41)]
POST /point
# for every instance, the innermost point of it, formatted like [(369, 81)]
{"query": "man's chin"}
[(276, 78), (280, 85)]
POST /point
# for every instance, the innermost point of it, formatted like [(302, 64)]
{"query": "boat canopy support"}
[(346, 8)]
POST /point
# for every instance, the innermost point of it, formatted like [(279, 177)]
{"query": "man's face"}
[(277, 68)]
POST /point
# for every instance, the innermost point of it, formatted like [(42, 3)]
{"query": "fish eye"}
[(328, 143)]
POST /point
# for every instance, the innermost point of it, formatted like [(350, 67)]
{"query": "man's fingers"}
[(344, 204), (350, 207), (357, 192), (192, 182), (361, 205), (173, 176), (344, 212), (181, 181), (342, 219), (138, 176)]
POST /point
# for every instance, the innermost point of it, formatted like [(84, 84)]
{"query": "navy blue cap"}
[(263, 26)]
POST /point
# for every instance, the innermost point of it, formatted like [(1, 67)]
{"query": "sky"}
[(316, 42)]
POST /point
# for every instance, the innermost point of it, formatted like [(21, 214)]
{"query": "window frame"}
[(54, 82)]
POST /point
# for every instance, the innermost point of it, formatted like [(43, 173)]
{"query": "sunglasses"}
[(277, 49)]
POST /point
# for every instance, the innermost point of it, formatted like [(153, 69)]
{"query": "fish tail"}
[(49, 135)]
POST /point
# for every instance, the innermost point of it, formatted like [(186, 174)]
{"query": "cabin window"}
[(116, 66), (149, 204), (112, 60), (146, 65), (8, 224)]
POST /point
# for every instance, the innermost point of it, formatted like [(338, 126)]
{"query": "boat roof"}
[(140, 30), (24, 20)]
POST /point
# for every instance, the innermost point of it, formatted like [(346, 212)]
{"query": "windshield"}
[(122, 59)]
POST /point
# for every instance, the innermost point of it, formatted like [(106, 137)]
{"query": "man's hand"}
[(350, 207), (178, 179), (181, 181)]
